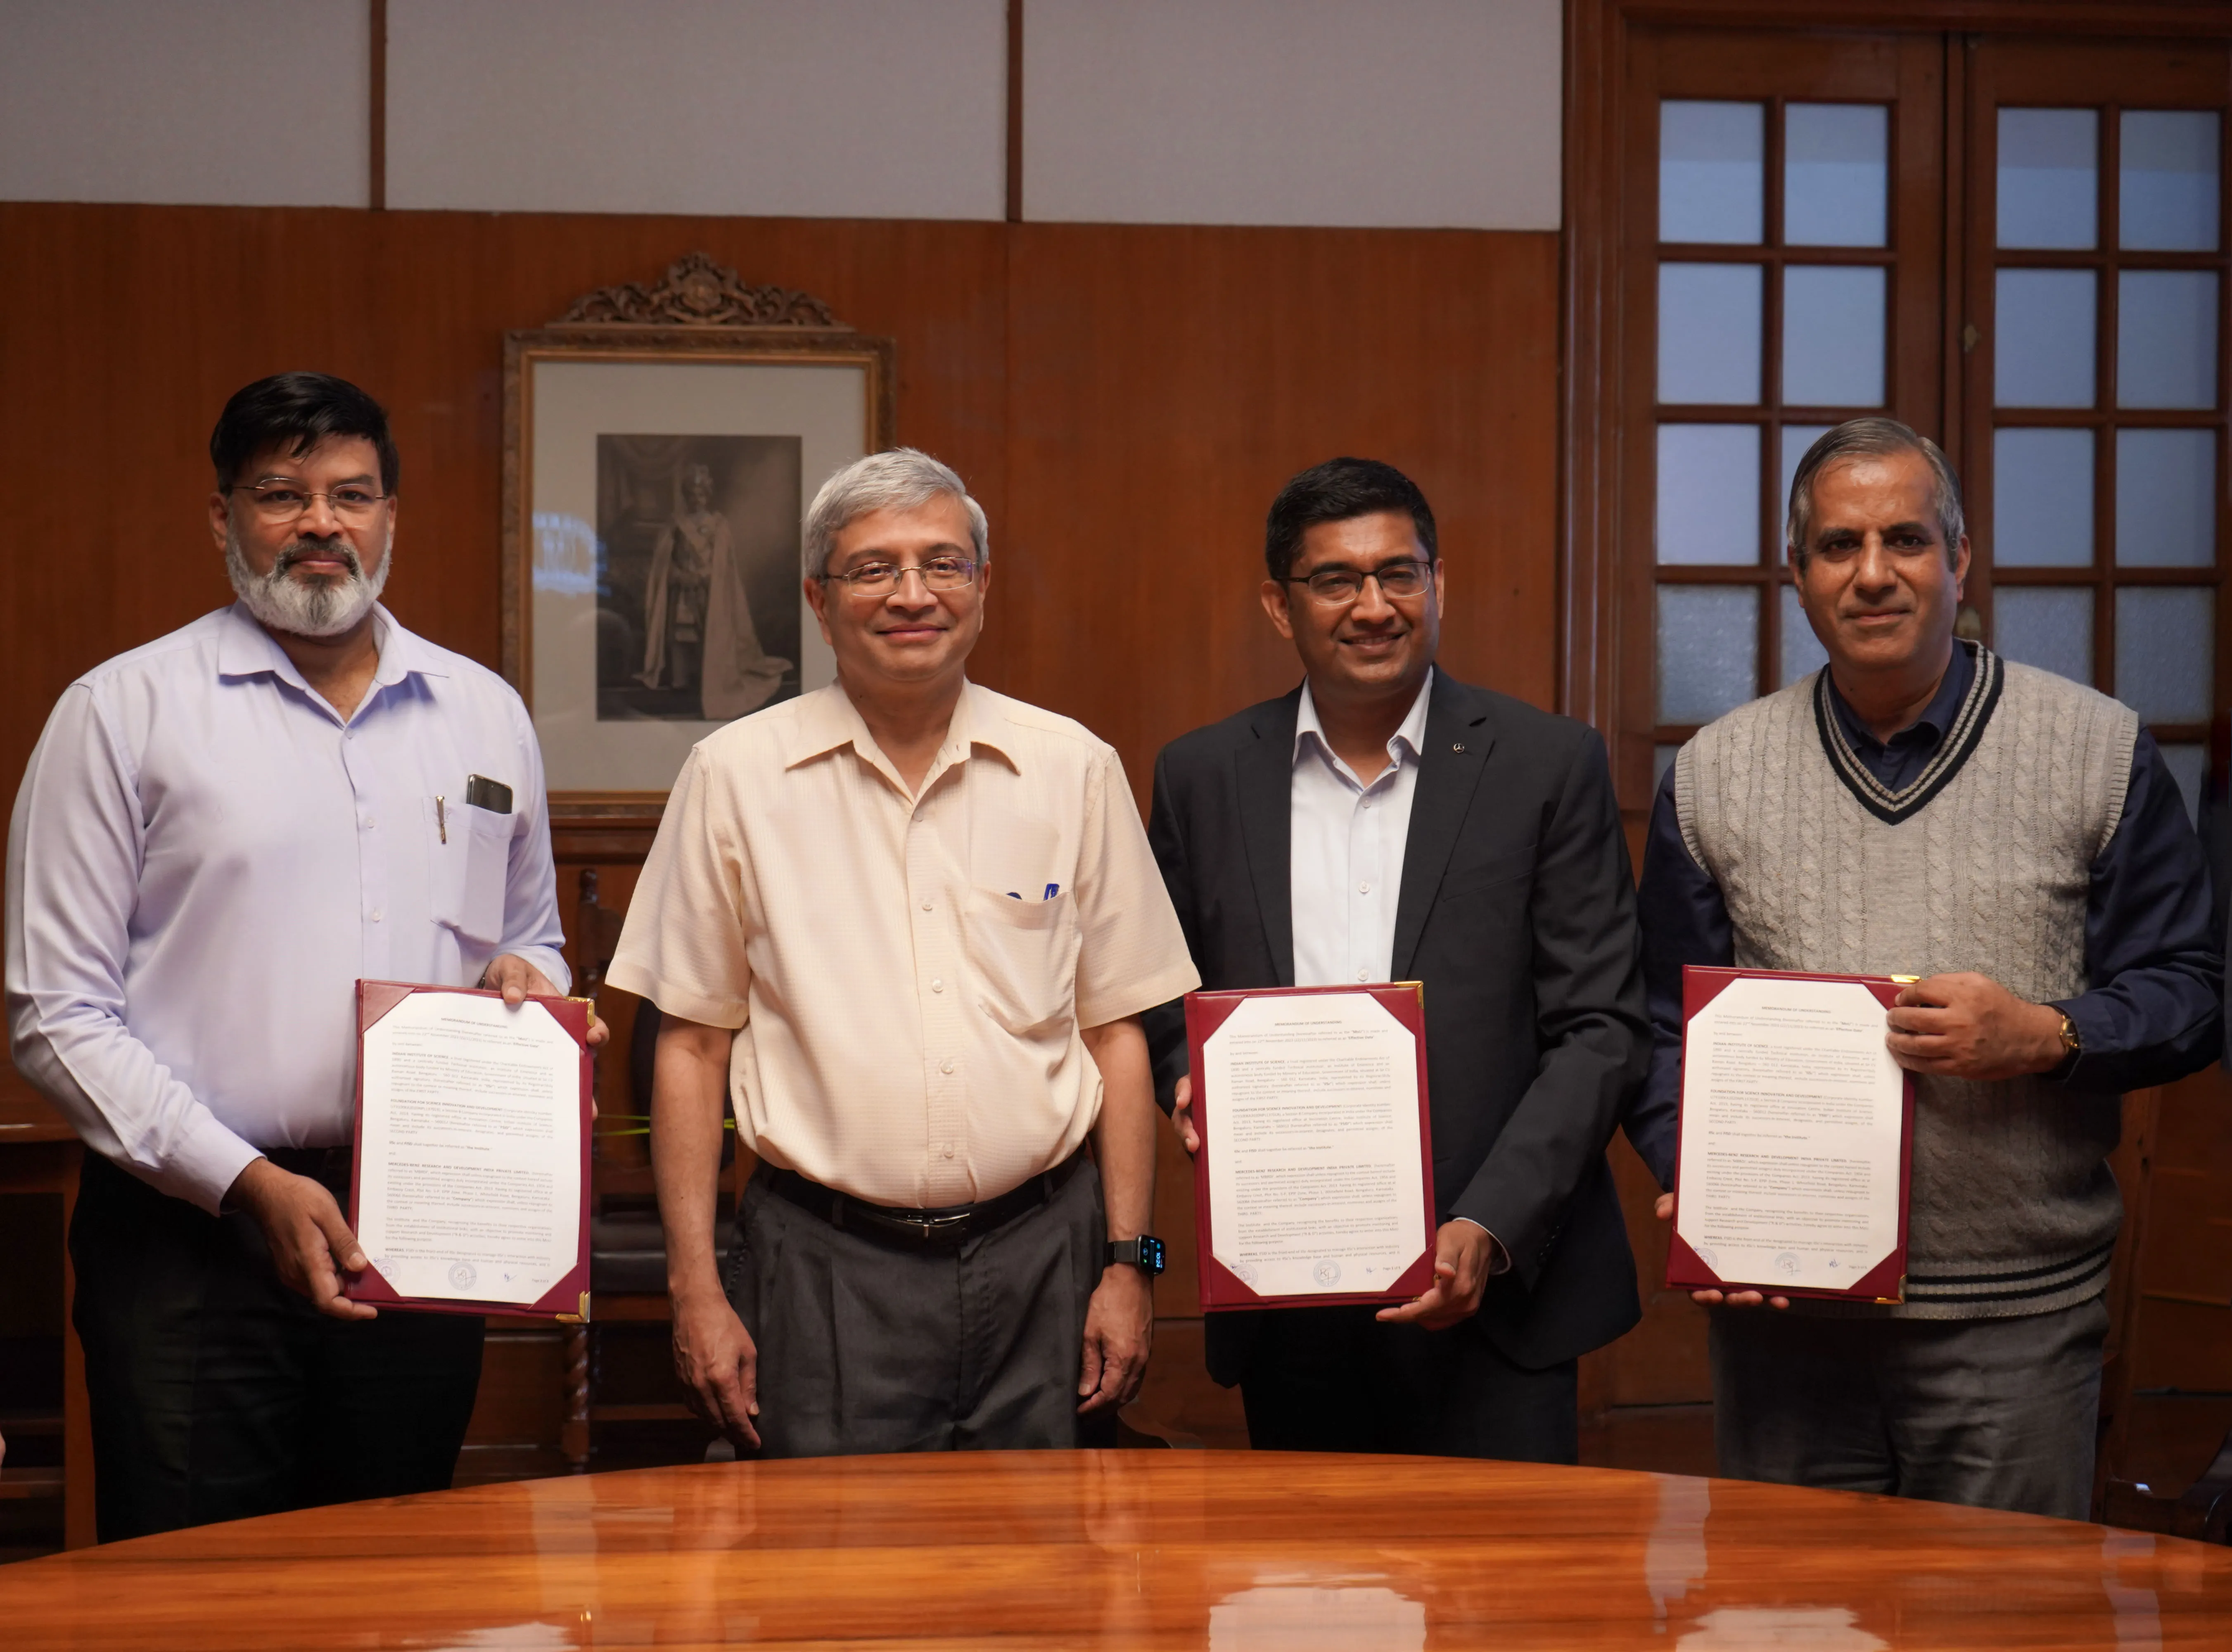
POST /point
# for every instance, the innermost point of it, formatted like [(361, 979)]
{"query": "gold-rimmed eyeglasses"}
[(280, 502), (1339, 587), (881, 579)]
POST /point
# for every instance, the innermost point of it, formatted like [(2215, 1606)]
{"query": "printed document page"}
[(1316, 1170), (471, 1182), (1792, 1110)]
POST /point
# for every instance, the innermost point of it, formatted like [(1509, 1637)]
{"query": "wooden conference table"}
[(1230, 1550)]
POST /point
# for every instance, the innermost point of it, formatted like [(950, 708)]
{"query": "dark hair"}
[(301, 410), (1335, 491)]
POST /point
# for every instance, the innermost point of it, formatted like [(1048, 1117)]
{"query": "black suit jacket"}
[(1517, 910)]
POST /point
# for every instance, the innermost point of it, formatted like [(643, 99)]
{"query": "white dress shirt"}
[(908, 971), (1347, 841), (204, 859)]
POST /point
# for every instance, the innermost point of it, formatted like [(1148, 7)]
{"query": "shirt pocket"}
[(1024, 957), (470, 852)]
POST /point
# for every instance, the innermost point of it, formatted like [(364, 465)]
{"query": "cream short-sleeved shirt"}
[(908, 975)]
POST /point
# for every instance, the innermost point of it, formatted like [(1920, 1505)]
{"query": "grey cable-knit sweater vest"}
[(1982, 863)]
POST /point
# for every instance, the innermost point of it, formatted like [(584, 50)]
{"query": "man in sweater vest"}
[(1924, 807)]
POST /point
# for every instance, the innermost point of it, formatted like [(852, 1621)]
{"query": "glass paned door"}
[(1789, 284), (2096, 288)]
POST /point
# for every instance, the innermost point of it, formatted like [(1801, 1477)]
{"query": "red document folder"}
[(569, 1299), (1220, 1287), (1685, 1269)]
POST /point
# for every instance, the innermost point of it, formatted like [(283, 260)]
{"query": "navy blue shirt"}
[(2152, 1013)]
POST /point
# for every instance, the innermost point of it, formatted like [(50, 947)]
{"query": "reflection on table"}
[(1177, 1548)]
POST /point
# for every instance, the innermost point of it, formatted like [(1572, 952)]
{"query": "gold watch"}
[(2072, 1045)]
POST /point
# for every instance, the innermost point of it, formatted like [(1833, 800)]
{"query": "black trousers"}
[(1335, 1379), (218, 1392)]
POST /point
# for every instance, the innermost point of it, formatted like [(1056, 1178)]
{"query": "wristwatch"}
[(1145, 1253), (2072, 1045)]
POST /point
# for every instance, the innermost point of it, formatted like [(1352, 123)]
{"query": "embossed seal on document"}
[(462, 1275), (1327, 1272)]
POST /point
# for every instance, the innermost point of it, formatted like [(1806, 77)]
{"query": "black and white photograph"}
[(697, 571)]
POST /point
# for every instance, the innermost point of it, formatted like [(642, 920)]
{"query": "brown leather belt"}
[(914, 1230)]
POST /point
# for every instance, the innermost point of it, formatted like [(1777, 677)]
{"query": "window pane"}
[(2188, 766), (2042, 354), (2167, 162), (1709, 332), (2051, 629), (1802, 653), (1835, 171), (2166, 498), (1707, 650), (1712, 171), (1796, 438), (2042, 498), (2166, 338), (1833, 337), (2165, 653), (1709, 493), (2049, 187)]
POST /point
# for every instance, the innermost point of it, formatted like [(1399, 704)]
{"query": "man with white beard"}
[(217, 834)]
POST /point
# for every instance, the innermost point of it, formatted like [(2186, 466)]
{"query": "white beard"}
[(319, 608)]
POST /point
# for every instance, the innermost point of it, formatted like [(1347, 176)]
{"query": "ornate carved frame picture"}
[(661, 443)]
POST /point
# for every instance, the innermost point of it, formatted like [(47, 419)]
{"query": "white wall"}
[(1379, 113), (1409, 112), (833, 108), (243, 102)]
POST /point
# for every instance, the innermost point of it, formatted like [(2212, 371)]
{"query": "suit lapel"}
[(1264, 771), (1457, 742)]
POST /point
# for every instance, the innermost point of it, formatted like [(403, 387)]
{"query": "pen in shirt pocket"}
[(1052, 890)]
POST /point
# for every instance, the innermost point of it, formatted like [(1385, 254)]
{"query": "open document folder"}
[(1316, 1179), (470, 1187), (1792, 1170)]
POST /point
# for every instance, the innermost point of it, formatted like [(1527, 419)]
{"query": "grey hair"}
[(898, 479), (1874, 438)]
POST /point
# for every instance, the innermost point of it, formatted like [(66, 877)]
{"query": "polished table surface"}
[(1229, 1550)]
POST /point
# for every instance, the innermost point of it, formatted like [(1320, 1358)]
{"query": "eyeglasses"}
[(281, 502), (1339, 587), (881, 579)]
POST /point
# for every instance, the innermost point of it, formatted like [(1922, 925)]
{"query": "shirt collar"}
[(1412, 735), (246, 649), (828, 720), (1926, 730)]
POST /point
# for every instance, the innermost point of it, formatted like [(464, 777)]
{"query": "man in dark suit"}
[(1384, 821)]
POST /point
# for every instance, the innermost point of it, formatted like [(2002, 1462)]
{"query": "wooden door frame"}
[(1590, 670)]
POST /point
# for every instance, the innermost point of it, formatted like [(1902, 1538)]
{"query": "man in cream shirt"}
[(910, 925)]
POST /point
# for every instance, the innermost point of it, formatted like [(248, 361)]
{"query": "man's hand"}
[(719, 1363), (311, 1246), (1969, 1026), (1181, 1114), (517, 980), (1664, 1210), (1120, 1324), (1463, 1253)]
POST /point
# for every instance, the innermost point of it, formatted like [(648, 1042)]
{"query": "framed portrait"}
[(661, 445)]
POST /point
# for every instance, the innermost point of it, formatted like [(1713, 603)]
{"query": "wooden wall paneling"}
[(1166, 381)]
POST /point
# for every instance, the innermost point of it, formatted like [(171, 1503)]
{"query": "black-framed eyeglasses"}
[(283, 501), (1339, 587), (881, 579)]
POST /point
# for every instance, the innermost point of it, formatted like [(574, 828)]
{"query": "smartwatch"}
[(1145, 1253)]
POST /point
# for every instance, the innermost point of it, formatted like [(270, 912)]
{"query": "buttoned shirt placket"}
[(1367, 893), (365, 789), (935, 890)]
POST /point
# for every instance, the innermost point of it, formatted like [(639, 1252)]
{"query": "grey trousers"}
[(866, 1348), (1996, 1413)]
